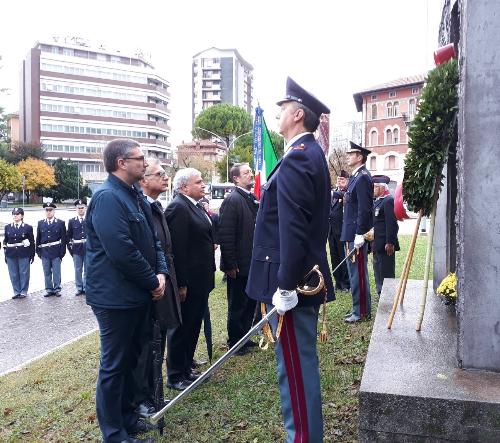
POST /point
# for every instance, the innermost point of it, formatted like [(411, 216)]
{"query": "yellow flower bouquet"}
[(448, 288)]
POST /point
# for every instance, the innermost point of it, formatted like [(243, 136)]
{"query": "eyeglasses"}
[(160, 174), (141, 158)]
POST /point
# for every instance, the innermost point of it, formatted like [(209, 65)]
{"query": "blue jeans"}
[(360, 284), (19, 272), (80, 272), (52, 274), (121, 332)]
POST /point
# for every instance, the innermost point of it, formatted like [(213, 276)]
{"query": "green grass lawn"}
[(53, 399)]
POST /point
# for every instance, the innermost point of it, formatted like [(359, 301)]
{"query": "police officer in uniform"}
[(76, 244), (51, 248), (290, 238), (386, 228), (358, 220), (19, 245), (337, 249)]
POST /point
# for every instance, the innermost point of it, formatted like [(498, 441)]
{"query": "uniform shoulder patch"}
[(364, 172), (300, 147)]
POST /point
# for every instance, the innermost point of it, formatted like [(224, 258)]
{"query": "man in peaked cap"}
[(358, 220), (19, 245), (285, 249), (386, 227), (76, 244), (51, 248)]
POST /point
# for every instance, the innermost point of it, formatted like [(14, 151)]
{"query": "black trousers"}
[(182, 339), (337, 254), (240, 309), (384, 266), (121, 334)]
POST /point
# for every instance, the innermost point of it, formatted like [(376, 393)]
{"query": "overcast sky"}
[(333, 48)]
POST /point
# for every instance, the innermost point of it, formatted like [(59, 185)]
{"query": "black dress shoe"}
[(198, 363), (140, 427), (16, 296), (193, 375), (178, 385), (138, 440), (145, 409), (57, 294), (21, 296), (49, 294)]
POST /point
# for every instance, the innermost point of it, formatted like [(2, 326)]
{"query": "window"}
[(388, 110), (373, 163), (373, 138), (388, 137), (374, 97), (374, 112), (391, 162), (392, 94), (395, 109), (395, 135), (414, 90), (411, 107)]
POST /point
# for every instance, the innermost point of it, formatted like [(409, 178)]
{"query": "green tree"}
[(10, 178), (69, 182), (21, 151), (227, 121)]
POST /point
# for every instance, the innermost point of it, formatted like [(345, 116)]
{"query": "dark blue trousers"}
[(121, 332)]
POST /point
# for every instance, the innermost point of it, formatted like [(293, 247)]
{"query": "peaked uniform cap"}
[(381, 179), (356, 148), (81, 201), (18, 211), (49, 205), (296, 93)]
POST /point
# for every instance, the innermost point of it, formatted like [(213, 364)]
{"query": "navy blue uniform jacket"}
[(385, 224), (123, 254), (76, 231), (358, 205), (292, 225), (13, 236), (48, 233)]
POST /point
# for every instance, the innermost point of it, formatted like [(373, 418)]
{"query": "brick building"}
[(200, 154), (387, 110)]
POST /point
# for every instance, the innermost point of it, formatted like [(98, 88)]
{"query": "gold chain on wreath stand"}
[(267, 336)]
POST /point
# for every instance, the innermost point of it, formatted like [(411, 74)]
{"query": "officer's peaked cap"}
[(356, 148), (80, 201), (18, 211), (381, 179), (296, 93), (49, 205)]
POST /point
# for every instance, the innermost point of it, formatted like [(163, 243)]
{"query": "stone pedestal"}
[(412, 390)]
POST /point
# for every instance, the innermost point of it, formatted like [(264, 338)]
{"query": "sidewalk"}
[(33, 326)]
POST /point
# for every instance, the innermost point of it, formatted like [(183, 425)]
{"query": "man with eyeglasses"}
[(126, 272), (51, 248), (166, 313)]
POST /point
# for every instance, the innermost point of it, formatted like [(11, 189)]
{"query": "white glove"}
[(285, 300), (359, 241), (26, 242)]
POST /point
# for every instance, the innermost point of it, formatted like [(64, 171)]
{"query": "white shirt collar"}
[(192, 200), (356, 170), (293, 140), (150, 200)]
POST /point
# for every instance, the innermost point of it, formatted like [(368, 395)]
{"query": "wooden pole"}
[(405, 272), (428, 256)]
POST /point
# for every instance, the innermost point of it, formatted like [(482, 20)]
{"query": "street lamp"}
[(225, 145)]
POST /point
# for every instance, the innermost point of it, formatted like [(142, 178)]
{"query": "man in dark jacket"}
[(386, 228), (235, 236), (166, 311), (126, 270), (193, 246), (51, 248)]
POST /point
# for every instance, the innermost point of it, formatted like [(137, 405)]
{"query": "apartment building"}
[(387, 111), (75, 97), (221, 76)]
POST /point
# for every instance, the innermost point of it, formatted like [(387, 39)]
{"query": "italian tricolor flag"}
[(264, 155)]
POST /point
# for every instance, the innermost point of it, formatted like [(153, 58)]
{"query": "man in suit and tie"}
[(76, 244), (51, 248), (193, 247), (235, 236), (290, 238), (167, 310), (385, 228), (358, 220)]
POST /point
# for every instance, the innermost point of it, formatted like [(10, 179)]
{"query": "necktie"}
[(205, 213), (158, 205), (81, 220), (17, 226)]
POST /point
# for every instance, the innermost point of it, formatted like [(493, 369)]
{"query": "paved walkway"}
[(35, 325)]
